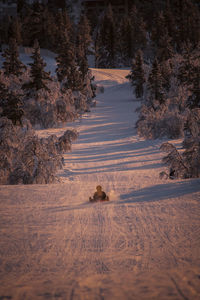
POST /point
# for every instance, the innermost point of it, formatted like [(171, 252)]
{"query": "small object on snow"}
[(99, 195)]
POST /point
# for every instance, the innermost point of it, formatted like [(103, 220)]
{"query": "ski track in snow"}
[(143, 244)]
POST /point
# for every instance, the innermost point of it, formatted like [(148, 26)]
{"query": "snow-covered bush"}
[(27, 159), (154, 124), (186, 164)]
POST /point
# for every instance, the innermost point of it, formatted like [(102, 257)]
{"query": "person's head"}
[(99, 188)]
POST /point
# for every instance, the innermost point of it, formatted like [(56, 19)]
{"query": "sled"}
[(100, 200)]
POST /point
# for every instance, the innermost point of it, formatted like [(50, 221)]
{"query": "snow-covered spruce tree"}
[(191, 142), (12, 64), (187, 164), (11, 105), (37, 73), (175, 161), (106, 41), (136, 75), (67, 70)]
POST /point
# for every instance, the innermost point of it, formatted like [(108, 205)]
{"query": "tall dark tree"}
[(136, 76), (138, 30), (20, 5), (67, 69), (33, 25), (84, 34), (106, 41), (189, 74), (159, 29), (125, 41), (37, 73), (14, 30), (164, 48), (155, 83), (81, 57), (12, 64)]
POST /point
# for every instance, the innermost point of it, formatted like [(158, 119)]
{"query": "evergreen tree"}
[(189, 74), (155, 83), (84, 37), (159, 29), (138, 30), (164, 48), (38, 75), (81, 56), (187, 17), (67, 69), (14, 30), (63, 28), (33, 25), (12, 64), (125, 41), (170, 23), (106, 41), (10, 105), (136, 76), (82, 45)]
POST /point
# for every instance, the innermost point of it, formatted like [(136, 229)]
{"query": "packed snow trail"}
[(143, 244)]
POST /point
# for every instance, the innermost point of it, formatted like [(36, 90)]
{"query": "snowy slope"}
[(143, 244)]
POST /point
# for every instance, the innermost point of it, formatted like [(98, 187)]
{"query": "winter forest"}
[(105, 95), (159, 40)]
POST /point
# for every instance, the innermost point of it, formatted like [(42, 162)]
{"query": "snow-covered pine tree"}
[(10, 105), (136, 75), (155, 83), (175, 161), (12, 64), (37, 73), (187, 164), (191, 143), (106, 41)]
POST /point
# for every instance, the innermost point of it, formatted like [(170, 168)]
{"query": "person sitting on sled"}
[(99, 195)]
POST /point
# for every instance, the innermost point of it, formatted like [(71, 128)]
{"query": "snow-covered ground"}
[(143, 244)]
